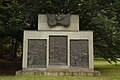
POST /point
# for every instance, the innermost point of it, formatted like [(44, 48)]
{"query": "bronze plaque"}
[(58, 50), (79, 53), (37, 53)]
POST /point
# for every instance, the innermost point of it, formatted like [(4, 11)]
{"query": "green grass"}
[(106, 69), (108, 72)]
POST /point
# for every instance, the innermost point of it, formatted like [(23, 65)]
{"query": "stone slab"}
[(79, 56), (59, 73), (43, 25), (37, 53), (77, 35), (58, 50)]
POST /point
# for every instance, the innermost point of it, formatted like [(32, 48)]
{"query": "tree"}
[(104, 21), (11, 23), (100, 16)]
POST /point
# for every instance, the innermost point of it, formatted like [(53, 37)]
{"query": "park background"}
[(100, 16)]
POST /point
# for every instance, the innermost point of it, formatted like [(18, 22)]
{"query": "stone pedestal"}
[(58, 50)]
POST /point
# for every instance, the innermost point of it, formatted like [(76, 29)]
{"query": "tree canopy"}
[(101, 16)]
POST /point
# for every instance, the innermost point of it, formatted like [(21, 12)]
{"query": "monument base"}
[(59, 73)]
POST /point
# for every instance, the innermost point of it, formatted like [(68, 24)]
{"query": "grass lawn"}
[(108, 72)]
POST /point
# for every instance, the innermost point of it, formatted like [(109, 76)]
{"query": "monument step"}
[(57, 73)]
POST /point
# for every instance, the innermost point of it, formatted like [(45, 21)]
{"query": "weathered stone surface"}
[(58, 20), (61, 51), (37, 53), (79, 53), (58, 73), (58, 50), (43, 23)]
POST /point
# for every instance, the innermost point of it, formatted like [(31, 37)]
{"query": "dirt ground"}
[(9, 67)]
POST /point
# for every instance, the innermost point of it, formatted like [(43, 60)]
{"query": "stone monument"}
[(58, 48)]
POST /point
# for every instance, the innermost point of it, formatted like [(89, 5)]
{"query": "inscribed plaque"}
[(79, 53), (37, 53), (58, 50)]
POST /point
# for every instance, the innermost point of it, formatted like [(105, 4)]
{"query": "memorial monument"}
[(58, 48)]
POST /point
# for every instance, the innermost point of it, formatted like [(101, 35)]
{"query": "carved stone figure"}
[(58, 50), (37, 53), (79, 53), (58, 20)]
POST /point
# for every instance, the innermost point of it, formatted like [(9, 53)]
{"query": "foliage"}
[(100, 16), (11, 20), (11, 25)]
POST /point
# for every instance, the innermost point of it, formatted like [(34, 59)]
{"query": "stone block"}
[(43, 25)]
